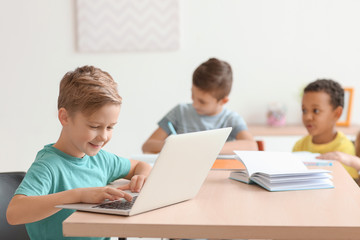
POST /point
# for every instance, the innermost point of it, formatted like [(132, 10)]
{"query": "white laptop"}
[(182, 166)]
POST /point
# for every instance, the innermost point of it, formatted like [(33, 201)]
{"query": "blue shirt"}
[(55, 171), (185, 119)]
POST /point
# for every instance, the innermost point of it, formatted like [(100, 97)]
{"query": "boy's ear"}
[(63, 116), (224, 100), (338, 111)]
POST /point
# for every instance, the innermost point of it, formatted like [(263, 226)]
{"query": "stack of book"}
[(279, 171)]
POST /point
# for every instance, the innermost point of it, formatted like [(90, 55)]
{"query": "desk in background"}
[(293, 130), (284, 138), (227, 209)]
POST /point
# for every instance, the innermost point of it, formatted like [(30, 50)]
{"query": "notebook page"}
[(270, 162)]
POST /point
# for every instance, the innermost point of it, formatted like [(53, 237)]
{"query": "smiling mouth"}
[(95, 145)]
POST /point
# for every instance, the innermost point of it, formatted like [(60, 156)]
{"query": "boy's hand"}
[(99, 194), (135, 184), (338, 156)]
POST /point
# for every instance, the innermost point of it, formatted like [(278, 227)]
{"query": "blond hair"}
[(86, 89)]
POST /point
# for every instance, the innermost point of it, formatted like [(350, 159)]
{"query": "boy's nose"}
[(307, 116), (102, 135)]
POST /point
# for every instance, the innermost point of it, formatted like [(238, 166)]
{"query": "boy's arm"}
[(155, 142), (26, 209), (137, 175), (244, 141), (345, 158), (344, 154)]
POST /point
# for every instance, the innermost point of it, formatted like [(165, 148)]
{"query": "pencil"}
[(171, 127)]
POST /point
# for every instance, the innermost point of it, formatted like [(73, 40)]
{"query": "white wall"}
[(275, 48)]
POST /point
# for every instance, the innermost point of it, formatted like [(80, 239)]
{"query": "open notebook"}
[(279, 171), (177, 175)]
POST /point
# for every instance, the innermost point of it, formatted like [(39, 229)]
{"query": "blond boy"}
[(75, 168)]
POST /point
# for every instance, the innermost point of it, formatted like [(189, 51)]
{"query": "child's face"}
[(318, 115), (88, 134), (204, 103)]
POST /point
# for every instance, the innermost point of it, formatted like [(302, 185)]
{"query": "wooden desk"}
[(291, 130), (229, 209)]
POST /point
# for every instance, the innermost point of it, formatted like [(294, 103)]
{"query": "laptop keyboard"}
[(119, 204)]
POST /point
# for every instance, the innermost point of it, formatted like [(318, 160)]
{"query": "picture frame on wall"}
[(127, 26), (344, 119)]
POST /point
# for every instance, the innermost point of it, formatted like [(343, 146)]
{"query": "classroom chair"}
[(357, 144), (9, 181), (261, 145)]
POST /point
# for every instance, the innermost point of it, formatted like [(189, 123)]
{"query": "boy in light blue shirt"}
[(211, 86), (75, 168)]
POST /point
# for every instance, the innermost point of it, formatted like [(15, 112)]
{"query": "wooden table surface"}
[(228, 209)]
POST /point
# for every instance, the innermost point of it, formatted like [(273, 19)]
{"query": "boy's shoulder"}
[(182, 109), (343, 139), (342, 144), (348, 146), (342, 135), (302, 144), (46, 152), (184, 106), (188, 107), (228, 114), (46, 160), (227, 111)]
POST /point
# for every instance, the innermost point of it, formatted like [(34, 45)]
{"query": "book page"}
[(270, 162), (295, 177), (241, 176), (300, 185)]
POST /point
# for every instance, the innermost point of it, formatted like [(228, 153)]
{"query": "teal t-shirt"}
[(55, 171)]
